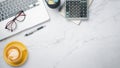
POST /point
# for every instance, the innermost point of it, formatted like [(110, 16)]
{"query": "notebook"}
[(62, 12), (34, 17)]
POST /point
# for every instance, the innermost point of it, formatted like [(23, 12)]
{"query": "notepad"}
[(34, 16), (62, 12)]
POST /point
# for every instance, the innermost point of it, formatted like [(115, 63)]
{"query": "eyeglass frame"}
[(13, 21)]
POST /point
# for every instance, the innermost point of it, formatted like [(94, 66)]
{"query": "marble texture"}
[(62, 44)]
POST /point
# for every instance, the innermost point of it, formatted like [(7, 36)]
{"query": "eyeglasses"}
[(12, 25)]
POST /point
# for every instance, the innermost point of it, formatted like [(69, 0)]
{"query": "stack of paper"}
[(62, 12)]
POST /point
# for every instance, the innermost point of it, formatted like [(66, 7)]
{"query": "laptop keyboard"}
[(76, 9), (9, 8)]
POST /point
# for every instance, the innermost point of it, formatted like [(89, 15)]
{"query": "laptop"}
[(35, 12)]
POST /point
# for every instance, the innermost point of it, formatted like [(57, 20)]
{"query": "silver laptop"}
[(9, 8), (34, 17)]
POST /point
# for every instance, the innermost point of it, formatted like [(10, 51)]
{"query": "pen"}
[(34, 31)]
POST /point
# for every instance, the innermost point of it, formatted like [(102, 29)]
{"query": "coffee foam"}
[(13, 54)]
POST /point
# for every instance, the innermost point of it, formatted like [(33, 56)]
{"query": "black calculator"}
[(76, 9)]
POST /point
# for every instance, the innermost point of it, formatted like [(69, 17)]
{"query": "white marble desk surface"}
[(62, 44)]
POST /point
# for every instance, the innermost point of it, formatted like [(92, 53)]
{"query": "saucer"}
[(22, 51)]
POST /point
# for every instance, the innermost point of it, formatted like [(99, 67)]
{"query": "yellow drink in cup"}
[(15, 53)]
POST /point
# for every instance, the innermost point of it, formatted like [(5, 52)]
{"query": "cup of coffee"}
[(15, 53)]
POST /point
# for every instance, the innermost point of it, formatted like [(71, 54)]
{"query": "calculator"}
[(76, 9)]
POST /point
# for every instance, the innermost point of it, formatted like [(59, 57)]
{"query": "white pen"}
[(34, 31)]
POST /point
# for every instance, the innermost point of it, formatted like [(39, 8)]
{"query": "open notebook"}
[(34, 16), (62, 12)]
